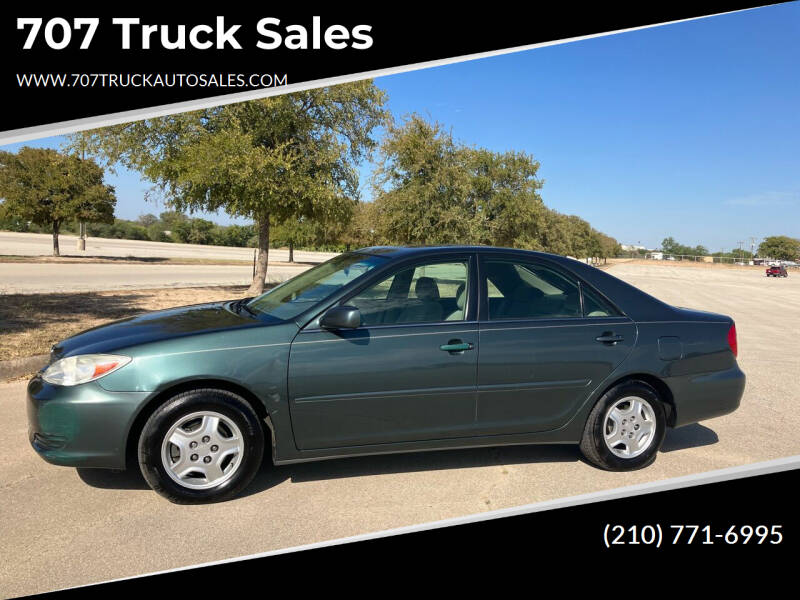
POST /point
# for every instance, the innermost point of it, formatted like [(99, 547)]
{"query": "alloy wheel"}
[(629, 427), (202, 450)]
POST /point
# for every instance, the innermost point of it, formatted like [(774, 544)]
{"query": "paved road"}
[(60, 526), (36, 244), (30, 278)]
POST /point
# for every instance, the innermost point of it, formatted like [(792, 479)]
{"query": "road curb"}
[(18, 367)]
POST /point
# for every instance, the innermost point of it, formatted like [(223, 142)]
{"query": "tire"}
[(217, 450), (628, 453)]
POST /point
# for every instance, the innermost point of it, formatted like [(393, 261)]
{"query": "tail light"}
[(732, 340)]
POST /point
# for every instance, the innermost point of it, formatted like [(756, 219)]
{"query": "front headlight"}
[(83, 368)]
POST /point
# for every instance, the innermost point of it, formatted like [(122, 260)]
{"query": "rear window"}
[(595, 306)]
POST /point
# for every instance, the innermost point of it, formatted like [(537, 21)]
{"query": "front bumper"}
[(82, 425)]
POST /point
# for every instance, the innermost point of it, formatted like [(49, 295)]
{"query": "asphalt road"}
[(31, 278), (62, 527), (40, 244)]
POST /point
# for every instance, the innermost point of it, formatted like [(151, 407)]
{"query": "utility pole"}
[(741, 250)]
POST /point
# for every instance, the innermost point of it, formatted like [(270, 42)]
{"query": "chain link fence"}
[(728, 260)]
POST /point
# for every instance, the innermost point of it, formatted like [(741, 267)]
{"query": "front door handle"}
[(609, 338), (456, 346)]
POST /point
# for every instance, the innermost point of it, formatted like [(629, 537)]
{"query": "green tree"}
[(421, 186), (504, 203), (670, 246), (780, 247), (609, 247), (361, 230), (194, 231), (268, 160), (429, 189), (48, 188), (147, 220)]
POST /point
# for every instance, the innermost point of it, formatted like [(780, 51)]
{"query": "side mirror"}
[(341, 317)]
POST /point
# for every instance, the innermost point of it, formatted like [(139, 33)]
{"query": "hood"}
[(156, 326)]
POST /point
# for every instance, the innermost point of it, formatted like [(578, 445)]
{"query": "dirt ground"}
[(64, 527), (31, 323)]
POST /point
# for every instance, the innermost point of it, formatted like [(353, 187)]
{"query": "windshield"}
[(296, 295)]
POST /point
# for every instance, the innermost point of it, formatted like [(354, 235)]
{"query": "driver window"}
[(428, 293)]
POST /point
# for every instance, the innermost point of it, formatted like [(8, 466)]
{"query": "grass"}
[(31, 323)]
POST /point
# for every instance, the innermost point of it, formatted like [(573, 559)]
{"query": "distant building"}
[(631, 247)]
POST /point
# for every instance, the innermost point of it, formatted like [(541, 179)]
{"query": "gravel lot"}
[(61, 527)]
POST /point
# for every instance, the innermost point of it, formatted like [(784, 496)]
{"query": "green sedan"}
[(385, 350)]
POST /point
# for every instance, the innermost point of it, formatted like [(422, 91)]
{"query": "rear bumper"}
[(82, 425), (708, 395)]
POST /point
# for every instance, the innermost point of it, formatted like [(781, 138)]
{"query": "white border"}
[(731, 473), (64, 127)]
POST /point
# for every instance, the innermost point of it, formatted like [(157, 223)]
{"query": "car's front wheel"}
[(202, 445), (625, 429)]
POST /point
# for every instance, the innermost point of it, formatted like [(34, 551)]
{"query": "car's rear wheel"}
[(626, 428), (202, 445)]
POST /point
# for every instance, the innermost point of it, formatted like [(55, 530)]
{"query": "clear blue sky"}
[(690, 130)]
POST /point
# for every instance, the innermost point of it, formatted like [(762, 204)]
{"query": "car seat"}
[(426, 308), (461, 301)]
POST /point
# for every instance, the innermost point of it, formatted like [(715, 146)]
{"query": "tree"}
[(361, 230), (194, 231), (421, 186), (172, 218), (429, 189), (504, 203), (46, 187), (609, 247), (780, 247), (670, 246), (147, 220), (270, 160)]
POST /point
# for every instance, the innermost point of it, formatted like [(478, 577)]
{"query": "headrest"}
[(427, 289)]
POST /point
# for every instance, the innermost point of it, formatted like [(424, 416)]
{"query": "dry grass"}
[(31, 323)]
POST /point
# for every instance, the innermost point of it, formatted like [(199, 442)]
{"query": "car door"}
[(546, 339), (408, 373)]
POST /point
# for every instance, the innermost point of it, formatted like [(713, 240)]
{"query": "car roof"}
[(406, 251)]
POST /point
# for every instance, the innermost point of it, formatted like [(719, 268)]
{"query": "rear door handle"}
[(609, 338), (455, 346)]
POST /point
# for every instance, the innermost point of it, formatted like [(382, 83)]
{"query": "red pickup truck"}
[(777, 271)]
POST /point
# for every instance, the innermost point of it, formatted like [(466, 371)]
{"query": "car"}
[(385, 350), (777, 271)]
